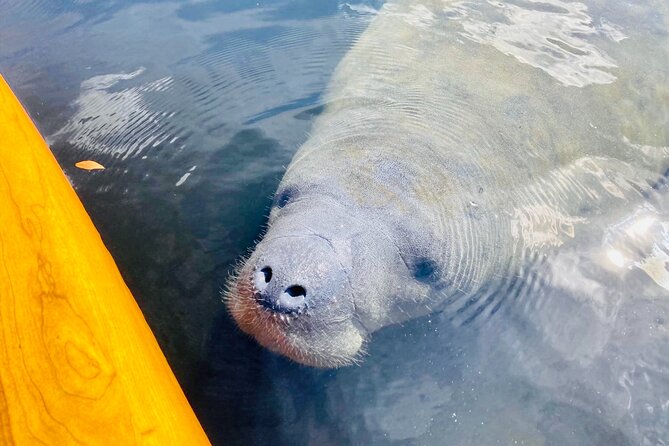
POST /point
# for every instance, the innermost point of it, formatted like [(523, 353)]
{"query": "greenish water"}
[(196, 108)]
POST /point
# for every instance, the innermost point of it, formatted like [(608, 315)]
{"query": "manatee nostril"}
[(267, 273), (296, 291), (292, 300), (262, 278)]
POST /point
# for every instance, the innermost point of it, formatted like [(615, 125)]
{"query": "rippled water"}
[(196, 107)]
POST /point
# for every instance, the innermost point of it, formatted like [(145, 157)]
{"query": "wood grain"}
[(78, 363)]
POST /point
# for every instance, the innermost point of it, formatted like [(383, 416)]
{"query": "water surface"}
[(196, 107)]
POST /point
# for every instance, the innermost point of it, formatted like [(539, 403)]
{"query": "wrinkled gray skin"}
[(447, 160)]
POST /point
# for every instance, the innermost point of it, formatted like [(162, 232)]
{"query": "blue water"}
[(195, 108)]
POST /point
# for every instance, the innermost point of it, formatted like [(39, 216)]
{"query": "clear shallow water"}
[(195, 108)]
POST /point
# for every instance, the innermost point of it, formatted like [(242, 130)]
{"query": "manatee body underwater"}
[(466, 152)]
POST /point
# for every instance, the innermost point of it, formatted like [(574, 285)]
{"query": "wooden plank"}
[(78, 363)]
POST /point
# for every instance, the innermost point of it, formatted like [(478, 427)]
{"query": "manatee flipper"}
[(573, 213)]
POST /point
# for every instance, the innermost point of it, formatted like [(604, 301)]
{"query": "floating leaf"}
[(89, 165)]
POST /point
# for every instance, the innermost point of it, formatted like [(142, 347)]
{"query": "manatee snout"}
[(294, 296), (292, 300), (293, 273), (327, 274)]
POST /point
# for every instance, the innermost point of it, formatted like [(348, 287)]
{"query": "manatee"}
[(460, 144)]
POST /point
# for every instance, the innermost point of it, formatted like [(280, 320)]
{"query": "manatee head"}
[(321, 279)]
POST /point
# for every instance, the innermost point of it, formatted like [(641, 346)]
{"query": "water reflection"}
[(552, 36), (118, 123), (196, 107)]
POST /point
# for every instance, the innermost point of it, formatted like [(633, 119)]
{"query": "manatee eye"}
[(285, 196), (262, 277), (424, 270)]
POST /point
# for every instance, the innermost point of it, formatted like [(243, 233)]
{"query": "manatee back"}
[(516, 85), (453, 114)]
